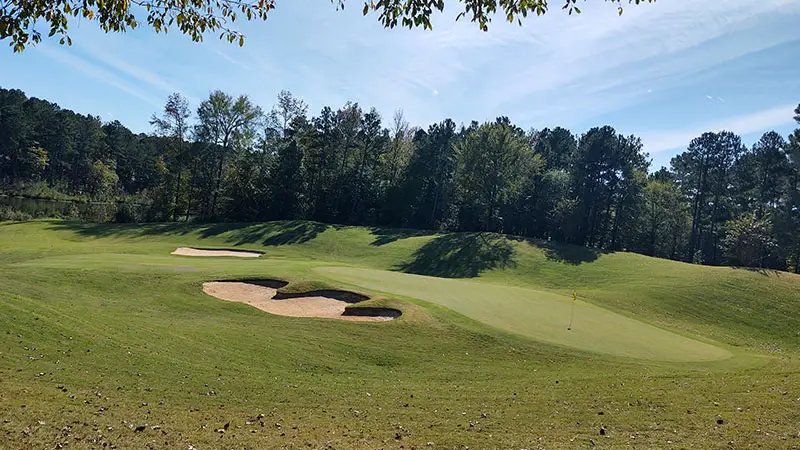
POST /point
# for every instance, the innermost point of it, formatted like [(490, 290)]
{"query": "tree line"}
[(719, 202)]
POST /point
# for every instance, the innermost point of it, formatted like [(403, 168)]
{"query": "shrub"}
[(97, 212), (9, 213), (127, 213)]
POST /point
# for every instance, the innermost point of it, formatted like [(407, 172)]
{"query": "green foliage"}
[(97, 212), (427, 188), (195, 18), (748, 240), (494, 162), (665, 218), (226, 127), (102, 181), (347, 166), (608, 175), (417, 13), (705, 172), (127, 213), (9, 213)]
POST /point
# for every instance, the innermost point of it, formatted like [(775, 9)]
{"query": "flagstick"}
[(572, 311)]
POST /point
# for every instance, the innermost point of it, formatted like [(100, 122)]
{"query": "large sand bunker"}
[(188, 251), (328, 304)]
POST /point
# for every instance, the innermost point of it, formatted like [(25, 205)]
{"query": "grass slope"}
[(107, 340)]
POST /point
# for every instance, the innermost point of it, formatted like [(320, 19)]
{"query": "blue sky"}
[(665, 72)]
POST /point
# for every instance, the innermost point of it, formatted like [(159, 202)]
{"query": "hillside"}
[(741, 307)]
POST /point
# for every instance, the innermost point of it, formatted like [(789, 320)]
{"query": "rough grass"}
[(103, 333)]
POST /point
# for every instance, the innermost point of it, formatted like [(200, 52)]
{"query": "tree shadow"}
[(461, 255), (295, 232), (385, 236), (567, 253), (269, 234), (101, 230), (283, 232)]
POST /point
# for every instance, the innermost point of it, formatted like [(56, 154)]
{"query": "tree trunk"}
[(653, 226), (176, 197)]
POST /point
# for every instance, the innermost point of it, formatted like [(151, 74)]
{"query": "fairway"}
[(540, 315)]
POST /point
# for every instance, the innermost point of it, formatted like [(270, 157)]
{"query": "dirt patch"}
[(260, 295), (188, 251)]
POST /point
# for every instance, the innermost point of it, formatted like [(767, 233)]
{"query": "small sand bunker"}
[(262, 295), (188, 251)]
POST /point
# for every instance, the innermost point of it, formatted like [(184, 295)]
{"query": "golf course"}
[(298, 334)]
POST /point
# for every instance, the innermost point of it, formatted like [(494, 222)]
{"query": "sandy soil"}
[(261, 298), (188, 251)]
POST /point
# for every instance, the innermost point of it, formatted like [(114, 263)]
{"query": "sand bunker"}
[(261, 294), (188, 251)]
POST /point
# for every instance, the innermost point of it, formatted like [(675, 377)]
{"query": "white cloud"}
[(758, 121)]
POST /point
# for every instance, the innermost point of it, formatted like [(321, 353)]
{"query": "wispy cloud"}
[(231, 60), (145, 77), (555, 69), (98, 73), (591, 72), (755, 122)]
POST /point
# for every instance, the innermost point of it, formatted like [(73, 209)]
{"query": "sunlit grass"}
[(122, 326)]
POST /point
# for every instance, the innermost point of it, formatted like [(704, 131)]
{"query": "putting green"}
[(540, 315)]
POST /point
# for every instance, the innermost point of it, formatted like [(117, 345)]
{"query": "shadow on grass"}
[(567, 253), (453, 255), (385, 236), (296, 232), (284, 232), (100, 230), (268, 234), (461, 255)]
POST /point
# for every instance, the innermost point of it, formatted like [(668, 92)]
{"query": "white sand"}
[(188, 251), (261, 297)]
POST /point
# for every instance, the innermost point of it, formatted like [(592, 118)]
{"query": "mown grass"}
[(105, 313), (540, 315)]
